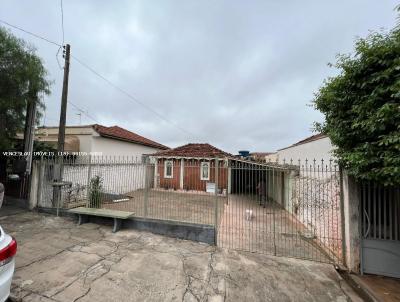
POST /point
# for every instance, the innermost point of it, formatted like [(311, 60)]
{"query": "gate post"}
[(216, 202), (351, 222)]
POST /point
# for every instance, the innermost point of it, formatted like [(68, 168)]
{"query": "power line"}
[(58, 62), (130, 97), (62, 29), (30, 33), (62, 20)]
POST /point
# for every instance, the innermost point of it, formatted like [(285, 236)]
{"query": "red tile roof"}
[(194, 150), (307, 140), (125, 135)]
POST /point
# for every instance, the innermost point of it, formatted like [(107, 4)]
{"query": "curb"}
[(357, 286)]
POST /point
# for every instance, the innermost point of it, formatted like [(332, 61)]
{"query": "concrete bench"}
[(84, 214)]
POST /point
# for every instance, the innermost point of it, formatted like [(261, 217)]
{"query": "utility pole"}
[(64, 97), (58, 166)]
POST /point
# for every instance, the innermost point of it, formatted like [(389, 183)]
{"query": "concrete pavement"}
[(59, 261)]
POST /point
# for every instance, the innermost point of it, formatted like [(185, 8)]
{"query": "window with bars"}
[(168, 169), (205, 171)]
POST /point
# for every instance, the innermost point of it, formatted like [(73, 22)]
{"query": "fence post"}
[(57, 178), (146, 185), (34, 185), (216, 202), (88, 182), (229, 170), (41, 181), (273, 207)]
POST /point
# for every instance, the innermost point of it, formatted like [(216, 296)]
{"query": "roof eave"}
[(132, 141), (303, 143)]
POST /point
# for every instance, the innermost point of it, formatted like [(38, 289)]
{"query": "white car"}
[(8, 249)]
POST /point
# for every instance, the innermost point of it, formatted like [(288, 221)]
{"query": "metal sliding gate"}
[(290, 209), (380, 230)]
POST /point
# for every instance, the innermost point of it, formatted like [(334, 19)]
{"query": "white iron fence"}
[(288, 209)]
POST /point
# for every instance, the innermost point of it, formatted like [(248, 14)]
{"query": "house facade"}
[(260, 156), (192, 167), (317, 147), (106, 141), (271, 157)]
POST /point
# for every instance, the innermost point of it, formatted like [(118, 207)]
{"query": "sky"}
[(240, 75)]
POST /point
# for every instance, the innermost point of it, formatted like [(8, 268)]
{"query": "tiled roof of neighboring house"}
[(194, 150), (307, 140), (123, 134)]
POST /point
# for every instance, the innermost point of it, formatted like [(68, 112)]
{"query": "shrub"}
[(95, 190), (362, 108)]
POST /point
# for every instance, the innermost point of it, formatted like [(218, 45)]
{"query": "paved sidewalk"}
[(59, 261), (379, 288)]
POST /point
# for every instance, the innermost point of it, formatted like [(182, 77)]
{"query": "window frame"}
[(202, 164), (172, 169)]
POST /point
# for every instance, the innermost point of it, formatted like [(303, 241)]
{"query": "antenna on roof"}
[(80, 118)]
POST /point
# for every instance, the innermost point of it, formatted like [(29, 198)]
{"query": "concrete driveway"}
[(59, 261)]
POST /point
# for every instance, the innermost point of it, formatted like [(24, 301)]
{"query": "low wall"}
[(195, 232)]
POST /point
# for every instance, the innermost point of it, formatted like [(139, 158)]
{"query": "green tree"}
[(362, 108), (22, 79)]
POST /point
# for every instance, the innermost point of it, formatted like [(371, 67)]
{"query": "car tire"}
[(1, 194)]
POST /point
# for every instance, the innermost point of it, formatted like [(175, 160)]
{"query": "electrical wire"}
[(62, 29), (130, 97), (84, 112), (62, 20), (30, 33)]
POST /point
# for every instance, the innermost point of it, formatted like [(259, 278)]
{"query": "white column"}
[(156, 173), (181, 174)]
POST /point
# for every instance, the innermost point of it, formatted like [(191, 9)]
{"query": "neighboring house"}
[(318, 147), (261, 156), (108, 141), (272, 157), (191, 167)]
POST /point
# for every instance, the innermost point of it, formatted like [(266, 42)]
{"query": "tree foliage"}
[(362, 108), (22, 79)]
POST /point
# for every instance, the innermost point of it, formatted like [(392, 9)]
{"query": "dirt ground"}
[(60, 261), (162, 204)]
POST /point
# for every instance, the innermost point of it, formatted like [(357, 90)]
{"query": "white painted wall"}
[(318, 149), (91, 141), (85, 143), (116, 179), (271, 157), (113, 147)]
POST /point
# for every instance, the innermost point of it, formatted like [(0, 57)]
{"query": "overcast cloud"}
[(236, 74)]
